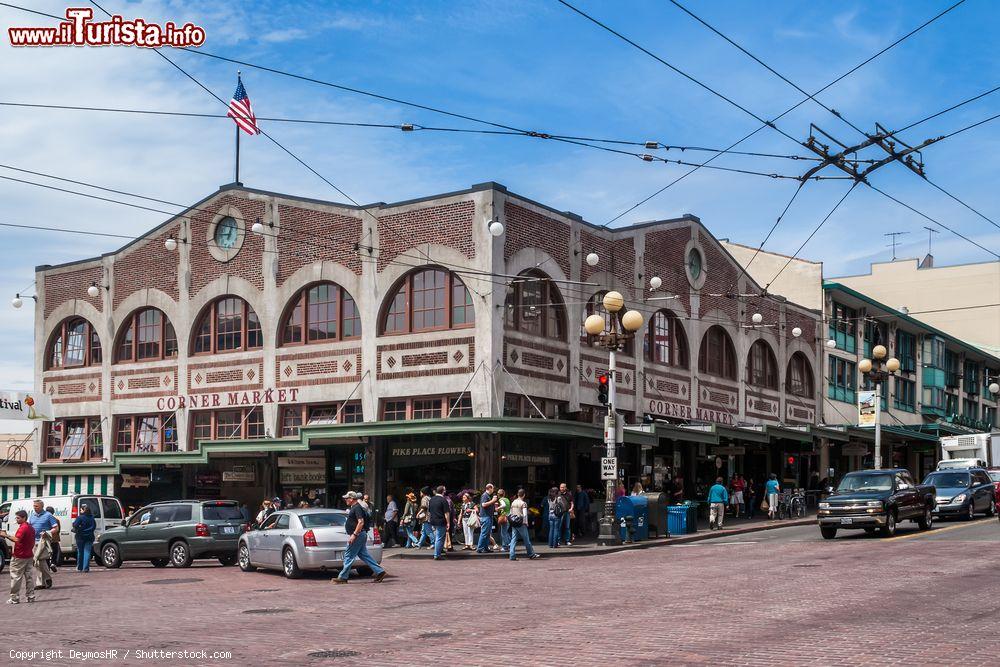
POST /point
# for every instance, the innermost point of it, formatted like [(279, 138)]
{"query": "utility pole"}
[(893, 235)]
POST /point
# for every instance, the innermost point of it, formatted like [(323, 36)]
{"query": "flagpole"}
[(237, 179)]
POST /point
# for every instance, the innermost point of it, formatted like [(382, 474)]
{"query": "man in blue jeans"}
[(487, 504), (356, 527), (439, 518), (565, 533)]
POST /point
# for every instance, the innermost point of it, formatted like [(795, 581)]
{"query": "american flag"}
[(241, 111)]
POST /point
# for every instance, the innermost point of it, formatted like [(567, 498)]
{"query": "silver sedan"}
[(302, 539)]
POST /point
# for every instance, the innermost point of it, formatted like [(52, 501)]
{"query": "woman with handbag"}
[(503, 511), (409, 519), (468, 515)]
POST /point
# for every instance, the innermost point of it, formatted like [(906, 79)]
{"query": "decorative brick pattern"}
[(721, 277), (68, 387), (134, 267), (664, 257), (624, 375), (69, 285), (617, 256), (800, 412), (248, 262), (435, 357), (152, 382), (527, 229), (318, 367), (538, 361), (449, 225), (515, 349), (301, 239), (215, 376), (143, 381)]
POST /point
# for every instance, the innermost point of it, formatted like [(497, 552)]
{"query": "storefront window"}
[(74, 343), (413, 462), (394, 411), (426, 408), (146, 433), (434, 407), (460, 407), (294, 416), (518, 405), (244, 424), (77, 439)]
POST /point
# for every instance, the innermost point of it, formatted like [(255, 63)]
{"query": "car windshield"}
[(322, 519), (866, 483), (221, 512), (948, 480), (995, 475)]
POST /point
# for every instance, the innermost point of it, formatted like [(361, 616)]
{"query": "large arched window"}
[(74, 343), (146, 334), (535, 306), (762, 368), (717, 355), (321, 313), (666, 342), (428, 300), (227, 324), (799, 380)]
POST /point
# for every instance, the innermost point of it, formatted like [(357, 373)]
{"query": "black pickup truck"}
[(876, 500)]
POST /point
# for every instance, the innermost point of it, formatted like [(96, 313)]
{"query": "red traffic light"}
[(602, 379), (791, 460)]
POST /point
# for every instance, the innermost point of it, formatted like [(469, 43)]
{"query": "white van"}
[(106, 510)]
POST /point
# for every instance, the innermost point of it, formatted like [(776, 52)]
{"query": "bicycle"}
[(797, 504)]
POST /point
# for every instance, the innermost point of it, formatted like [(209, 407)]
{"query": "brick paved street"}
[(781, 597)]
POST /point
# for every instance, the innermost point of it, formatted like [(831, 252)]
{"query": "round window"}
[(694, 264), (226, 233)]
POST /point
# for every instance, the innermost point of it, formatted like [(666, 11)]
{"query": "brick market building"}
[(261, 343)]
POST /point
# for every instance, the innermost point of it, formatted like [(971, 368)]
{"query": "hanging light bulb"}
[(496, 228), (170, 244), (257, 228), (655, 282), (831, 343), (94, 291), (16, 301), (757, 318), (796, 332), (593, 259)]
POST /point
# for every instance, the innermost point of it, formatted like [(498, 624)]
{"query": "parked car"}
[(963, 493), (302, 539), (994, 474), (106, 510), (876, 500), (175, 532)]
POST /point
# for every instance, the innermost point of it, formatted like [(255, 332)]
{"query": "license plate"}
[(228, 530), (846, 520)]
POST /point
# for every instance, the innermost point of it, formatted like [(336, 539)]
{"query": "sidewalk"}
[(589, 547)]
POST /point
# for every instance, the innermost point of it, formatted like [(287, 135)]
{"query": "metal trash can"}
[(677, 519), (657, 508), (632, 513)]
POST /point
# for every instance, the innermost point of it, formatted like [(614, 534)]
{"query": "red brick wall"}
[(721, 277), (246, 264), (527, 229), (147, 264), (617, 257), (664, 257), (448, 225), (302, 237), (62, 287)]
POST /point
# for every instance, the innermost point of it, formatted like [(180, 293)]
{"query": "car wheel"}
[(889, 529), (828, 532), (288, 564), (243, 558), (972, 511), (180, 554), (160, 562), (991, 509), (927, 520), (228, 561), (111, 556)]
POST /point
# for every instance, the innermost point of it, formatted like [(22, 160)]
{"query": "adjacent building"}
[(264, 344)]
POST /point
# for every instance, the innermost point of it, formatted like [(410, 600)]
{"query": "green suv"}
[(175, 532)]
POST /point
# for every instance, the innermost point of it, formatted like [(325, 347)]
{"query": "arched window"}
[(762, 368), (535, 306), (323, 312), (799, 380), (227, 324), (666, 342), (74, 343), (145, 335), (717, 355), (595, 306), (428, 300)]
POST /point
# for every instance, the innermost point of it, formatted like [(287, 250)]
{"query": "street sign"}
[(609, 468)]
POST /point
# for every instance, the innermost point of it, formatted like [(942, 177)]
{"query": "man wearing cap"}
[(358, 522)]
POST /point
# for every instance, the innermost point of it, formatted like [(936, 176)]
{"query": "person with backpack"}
[(359, 520), (557, 508), (517, 520)]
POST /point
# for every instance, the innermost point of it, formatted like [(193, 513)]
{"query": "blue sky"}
[(532, 65)]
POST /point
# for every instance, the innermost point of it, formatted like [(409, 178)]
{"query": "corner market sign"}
[(228, 399)]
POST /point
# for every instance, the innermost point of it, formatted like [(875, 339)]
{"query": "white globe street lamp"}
[(757, 318), (593, 259), (796, 332), (655, 282), (170, 244), (496, 228), (16, 301)]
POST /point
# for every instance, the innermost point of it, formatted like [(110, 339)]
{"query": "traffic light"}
[(791, 460), (603, 385)]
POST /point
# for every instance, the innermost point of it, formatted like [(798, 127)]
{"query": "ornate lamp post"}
[(621, 328), (873, 368)]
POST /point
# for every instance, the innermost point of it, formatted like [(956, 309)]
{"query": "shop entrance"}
[(413, 462)]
